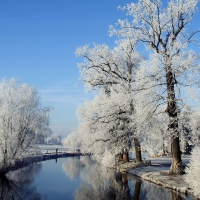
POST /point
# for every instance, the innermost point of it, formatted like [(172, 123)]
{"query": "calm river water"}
[(78, 178)]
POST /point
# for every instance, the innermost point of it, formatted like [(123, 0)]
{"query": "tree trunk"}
[(137, 150), (164, 148), (125, 157), (172, 112), (163, 154), (120, 157), (137, 190), (176, 166)]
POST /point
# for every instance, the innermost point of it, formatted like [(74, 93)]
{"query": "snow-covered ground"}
[(158, 173)]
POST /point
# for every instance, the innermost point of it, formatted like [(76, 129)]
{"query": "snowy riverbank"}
[(157, 173), (28, 160), (40, 153)]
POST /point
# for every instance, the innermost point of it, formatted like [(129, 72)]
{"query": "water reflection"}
[(17, 185), (105, 184), (119, 187), (79, 178), (137, 190), (73, 168)]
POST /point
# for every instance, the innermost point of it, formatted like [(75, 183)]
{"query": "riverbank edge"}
[(155, 174), (26, 161), (162, 178)]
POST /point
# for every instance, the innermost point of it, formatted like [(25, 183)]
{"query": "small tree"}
[(101, 126)]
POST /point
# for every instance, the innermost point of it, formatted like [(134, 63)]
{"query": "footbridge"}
[(60, 150)]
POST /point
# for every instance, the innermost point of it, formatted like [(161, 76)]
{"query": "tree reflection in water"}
[(18, 184), (73, 167), (175, 196), (98, 183), (137, 190), (105, 184)]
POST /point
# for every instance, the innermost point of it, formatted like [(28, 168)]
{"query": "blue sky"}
[(38, 39)]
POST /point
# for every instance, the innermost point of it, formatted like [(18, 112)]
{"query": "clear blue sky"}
[(38, 39)]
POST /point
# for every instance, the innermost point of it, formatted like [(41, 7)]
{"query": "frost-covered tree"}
[(194, 127), (154, 137), (190, 129), (152, 124), (104, 119), (110, 73), (193, 171), (53, 139), (101, 128), (22, 118), (171, 65)]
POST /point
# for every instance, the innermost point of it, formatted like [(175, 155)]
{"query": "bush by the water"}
[(192, 176)]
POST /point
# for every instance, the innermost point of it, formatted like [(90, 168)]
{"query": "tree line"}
[(146, 99)]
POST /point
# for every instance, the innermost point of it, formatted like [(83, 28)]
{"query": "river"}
[(79, 178)]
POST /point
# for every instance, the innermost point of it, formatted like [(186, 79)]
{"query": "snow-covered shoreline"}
[(159, 175), (156, 171)]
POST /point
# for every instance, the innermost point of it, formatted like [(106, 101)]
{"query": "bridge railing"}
[(59, 151)]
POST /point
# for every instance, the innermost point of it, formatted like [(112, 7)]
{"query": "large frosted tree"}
[(110, 73), (162, 28)]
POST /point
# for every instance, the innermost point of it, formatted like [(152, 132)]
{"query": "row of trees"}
[(142, 98), (23, 121), (53, 139)]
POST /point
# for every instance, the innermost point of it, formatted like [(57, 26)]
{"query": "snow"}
[(158, 173)]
